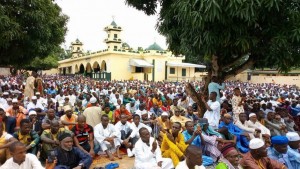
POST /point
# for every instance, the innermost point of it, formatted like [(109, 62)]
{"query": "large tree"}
[(29, 30), (233, 35)]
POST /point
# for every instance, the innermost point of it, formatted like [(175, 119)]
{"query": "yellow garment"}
[(180, 119), (173, 150), (155, 101), (4, 153)]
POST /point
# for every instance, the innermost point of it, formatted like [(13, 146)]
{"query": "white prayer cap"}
[(32, 113), (93, 100), (37, 93), (33, 98), (5, 93), (256, 143), (164, 114), (15, 100), (252, 114), (144, 112), (293, 136)]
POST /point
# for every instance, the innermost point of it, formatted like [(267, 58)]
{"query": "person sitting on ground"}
[(253, 123), (230, 158), (49, 138), (155, 110), (17, 111), (128, 138), (293, 149), (35, 123), (173, 145), (93, 113), (9, 123), (84, 136), (164, 123), (193, 158), (148, 153), (190, 114), (120, 111), (69, 156), (211, 140), (109, 113), (242, 124), (235, 134), (279, 152), (194, 137), (49, 118), (28, 137), (108, 137), (177, 117), (21, 160), (135, 127), (257, 157), (5, 141), (68, 119)]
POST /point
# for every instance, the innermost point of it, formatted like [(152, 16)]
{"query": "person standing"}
[(212, 113), (213, 86), (29, 88), (237, 104)]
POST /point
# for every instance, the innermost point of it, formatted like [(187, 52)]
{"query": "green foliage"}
[(29, 29), (266, 30), (47, 63)]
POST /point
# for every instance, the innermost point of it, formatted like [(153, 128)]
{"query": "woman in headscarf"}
[(230, 158)]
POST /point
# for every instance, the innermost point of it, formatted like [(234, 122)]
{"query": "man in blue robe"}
[(242, 142), (194, 137)]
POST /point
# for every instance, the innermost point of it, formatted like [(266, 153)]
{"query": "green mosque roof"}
[(155, 46), (113, 23), (124, 45)]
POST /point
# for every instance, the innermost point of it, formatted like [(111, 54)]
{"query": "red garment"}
[(166, 109), (118, 113)]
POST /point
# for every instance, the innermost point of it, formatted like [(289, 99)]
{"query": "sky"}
[(87, 19)]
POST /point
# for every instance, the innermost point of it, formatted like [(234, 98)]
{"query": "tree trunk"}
[(214, 70)]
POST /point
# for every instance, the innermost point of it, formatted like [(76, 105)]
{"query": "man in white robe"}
[(108, 137), (148, 154), (242, 124), (212, 113), (253, 123), (34, 104)]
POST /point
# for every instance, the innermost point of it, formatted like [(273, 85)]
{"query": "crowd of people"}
[(65, 122)]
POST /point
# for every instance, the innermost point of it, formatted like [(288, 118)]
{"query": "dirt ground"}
[(124, 163)]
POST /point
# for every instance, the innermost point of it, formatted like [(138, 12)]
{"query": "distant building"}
[(120, 62)]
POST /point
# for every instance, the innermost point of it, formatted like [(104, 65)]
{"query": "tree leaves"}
[(29, 29), (267, 30)]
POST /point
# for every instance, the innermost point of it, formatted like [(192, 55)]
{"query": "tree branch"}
[(240, 68), (233, 63)]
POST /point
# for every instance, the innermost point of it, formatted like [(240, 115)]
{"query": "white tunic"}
[(100, 133), (145, 159), (31, 162), (183, 165), (213, 116), (258, 125)]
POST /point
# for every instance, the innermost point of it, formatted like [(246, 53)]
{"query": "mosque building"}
[(120, 62)]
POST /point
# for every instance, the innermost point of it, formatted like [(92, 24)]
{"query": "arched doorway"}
[(88, 68), (103, 66), (81, 68), (76, 69), (96, 67)]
